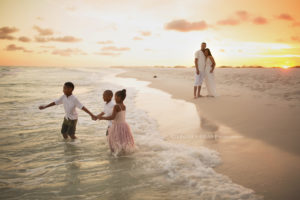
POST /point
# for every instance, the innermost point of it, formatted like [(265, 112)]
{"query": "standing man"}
[(200, 69)]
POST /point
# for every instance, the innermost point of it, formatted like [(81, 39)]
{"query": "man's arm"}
[(88, 112), (49, 105), (196, 65)]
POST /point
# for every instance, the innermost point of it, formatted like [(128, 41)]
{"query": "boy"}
[(70, 103), (108, 107)]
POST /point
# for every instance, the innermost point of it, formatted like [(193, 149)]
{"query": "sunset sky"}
[(148, 32)]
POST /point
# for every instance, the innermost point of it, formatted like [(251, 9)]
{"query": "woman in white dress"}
[(209, 73)]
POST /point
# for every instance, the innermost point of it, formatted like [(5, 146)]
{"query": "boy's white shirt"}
[(108, 110), (70, 104)]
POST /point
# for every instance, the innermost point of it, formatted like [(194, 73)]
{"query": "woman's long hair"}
[(209, 53)]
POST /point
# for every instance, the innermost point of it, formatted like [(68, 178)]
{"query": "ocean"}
[(37, 163)]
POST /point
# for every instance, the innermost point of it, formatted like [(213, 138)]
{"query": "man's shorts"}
[(199, 78), (69, 126)]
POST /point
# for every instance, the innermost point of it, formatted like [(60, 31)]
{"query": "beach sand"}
[(259, 109)]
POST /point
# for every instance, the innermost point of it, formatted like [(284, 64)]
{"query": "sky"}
[(100, 33)]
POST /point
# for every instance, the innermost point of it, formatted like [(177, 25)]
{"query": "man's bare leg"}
[(199, 89), (195, 91)]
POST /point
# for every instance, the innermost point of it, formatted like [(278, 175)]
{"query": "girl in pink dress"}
[(119, 138)]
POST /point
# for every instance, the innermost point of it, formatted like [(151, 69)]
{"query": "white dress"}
[(210, 78)]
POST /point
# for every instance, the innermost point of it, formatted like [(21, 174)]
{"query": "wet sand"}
[(256, 135)]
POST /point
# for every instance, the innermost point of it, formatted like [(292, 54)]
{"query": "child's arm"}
[(49, 105), (88, 112), (100, 115), (113, 115)]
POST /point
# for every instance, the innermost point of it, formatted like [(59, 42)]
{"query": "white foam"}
[(177, 164)]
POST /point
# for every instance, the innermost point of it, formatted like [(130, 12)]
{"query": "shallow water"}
[(36, 163)]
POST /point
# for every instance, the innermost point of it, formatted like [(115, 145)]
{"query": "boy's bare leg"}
[(73, 137), (195, 91)]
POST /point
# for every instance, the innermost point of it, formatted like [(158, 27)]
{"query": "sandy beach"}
[(260, 110)]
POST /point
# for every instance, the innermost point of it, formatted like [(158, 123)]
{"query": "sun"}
[(285, 67)]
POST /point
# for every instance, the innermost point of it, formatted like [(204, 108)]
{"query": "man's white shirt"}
[(201, 60), (70, 104)]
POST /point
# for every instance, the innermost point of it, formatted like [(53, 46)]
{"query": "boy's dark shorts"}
[(69, 126)]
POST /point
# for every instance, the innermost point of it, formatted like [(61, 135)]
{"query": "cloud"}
[(112, 51), (13, 47), (185, 26), (296, 24), (68, 39), (107, 53), (229, 21), (295, 38), (285, 16), (24, 39), (41, 39), (260, 20), (68, 52), (113, 48), (105, 42), (65, 39), (43, 32), (39, 18), (137, 38), (5, 32), (145, 33), (242, 14), (47, 47)]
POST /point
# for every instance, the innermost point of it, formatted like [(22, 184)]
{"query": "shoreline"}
[(263, 159)]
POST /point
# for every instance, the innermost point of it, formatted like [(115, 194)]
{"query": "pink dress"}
[(120, 138)]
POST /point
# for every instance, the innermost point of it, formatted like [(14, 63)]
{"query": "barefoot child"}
[(108, 107), (120, 138), (70, 103)]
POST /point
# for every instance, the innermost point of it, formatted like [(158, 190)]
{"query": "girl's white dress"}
[(210, 79)]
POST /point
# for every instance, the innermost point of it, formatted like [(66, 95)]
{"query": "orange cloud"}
[(24, 39), (68, 52), (105, 42), (145, 33), (6, 31), (260, 20), (285, 16), (137, 38), (13, 47), (296, 24), (65, 39), (185, 26), (295, 38), (242, 14), (43, 32), (113, 48), (229, 21), (107, 53), (57, 39)]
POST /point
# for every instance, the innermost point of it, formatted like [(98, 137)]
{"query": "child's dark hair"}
[(70, 85), (122, 94), (108, 92)]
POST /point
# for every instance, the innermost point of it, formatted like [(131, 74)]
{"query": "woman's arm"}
[(213, 64)]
